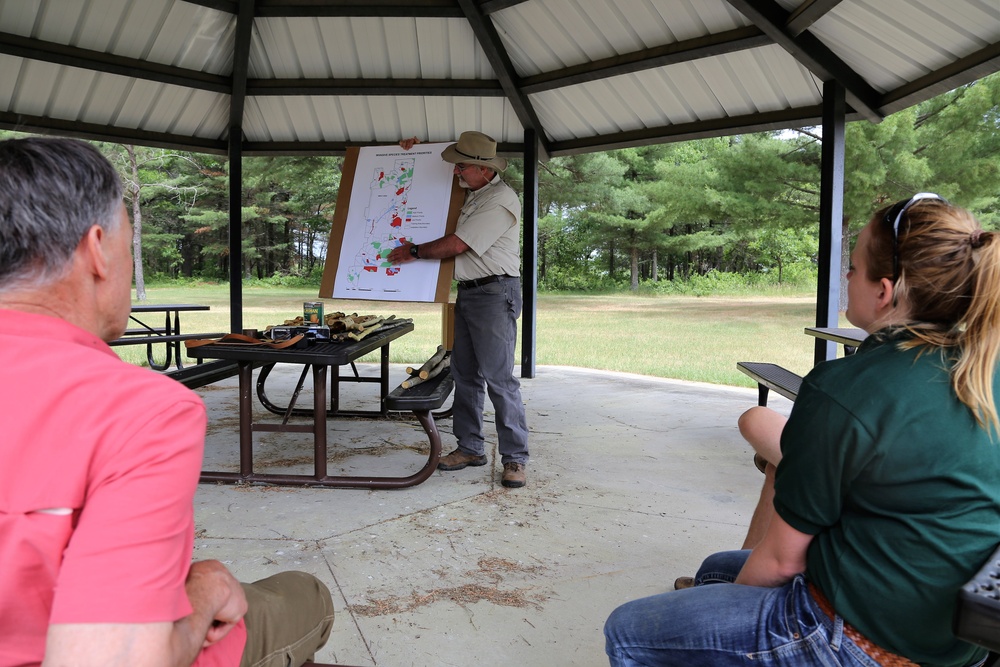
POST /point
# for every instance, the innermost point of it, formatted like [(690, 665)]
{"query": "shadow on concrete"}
[(632, 481)]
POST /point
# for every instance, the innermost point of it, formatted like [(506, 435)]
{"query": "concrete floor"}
[(632, 481)]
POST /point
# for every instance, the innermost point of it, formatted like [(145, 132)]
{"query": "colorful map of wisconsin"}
[(396, 195), (385, 218)]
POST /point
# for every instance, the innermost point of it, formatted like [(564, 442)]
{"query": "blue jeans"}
[(483, 360), (729, 624)]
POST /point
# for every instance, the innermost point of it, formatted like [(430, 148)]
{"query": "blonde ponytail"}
[(949, 277)]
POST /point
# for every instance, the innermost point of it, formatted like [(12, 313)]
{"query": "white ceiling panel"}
[(269, 120), (205, 115), (195, 38), (434, 53), (560, 113), (906, 39), (11, 68), (74, 85), (18, 18), (552, 34), (670, 97), (35, 84), (367, 47), (591, 73)]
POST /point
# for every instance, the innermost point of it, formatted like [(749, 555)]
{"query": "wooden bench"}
[(421, 399), (771, 376), (202, 374)]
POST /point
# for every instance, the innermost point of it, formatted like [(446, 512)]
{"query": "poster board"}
[(388, 194)]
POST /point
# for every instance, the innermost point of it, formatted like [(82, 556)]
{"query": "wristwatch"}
[(414, 252)]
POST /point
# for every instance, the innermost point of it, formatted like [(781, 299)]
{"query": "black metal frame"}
[(169, 334)]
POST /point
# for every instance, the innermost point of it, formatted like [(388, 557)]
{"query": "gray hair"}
[(52, 191)]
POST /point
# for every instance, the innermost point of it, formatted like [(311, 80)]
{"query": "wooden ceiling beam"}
[(489, 40), (807, 14), (721, 43), (376, 87), (119, 135), (241, 63), (228, 6), (357, 8), (971, 68), (488, 7), (71, 56), (760, 122), (320, 148)]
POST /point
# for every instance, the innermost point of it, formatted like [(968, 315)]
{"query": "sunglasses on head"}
[(895, 215)]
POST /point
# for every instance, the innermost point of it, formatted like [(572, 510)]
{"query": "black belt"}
[(465, 284)]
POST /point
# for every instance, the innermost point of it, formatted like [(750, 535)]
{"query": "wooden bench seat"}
[(421, 399), (428, 395), (202, 374), (771, 376)]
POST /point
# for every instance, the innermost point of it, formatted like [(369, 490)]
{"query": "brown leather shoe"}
[(459, 459), (680, 583), (513, 475)]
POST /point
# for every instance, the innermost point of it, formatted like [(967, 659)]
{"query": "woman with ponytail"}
[(887, 496)]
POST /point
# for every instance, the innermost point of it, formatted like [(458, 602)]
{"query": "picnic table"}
[(318, 358), (169, 334)]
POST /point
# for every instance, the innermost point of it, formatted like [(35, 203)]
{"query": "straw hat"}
[(475, 148)]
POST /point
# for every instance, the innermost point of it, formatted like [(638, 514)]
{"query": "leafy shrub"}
[(282, 280), (797, 278), (558, 280)]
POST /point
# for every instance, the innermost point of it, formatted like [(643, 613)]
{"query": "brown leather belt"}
[(240, 339), (874, 651), (476, 282)]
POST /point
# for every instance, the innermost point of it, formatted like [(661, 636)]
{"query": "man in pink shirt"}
[(99, 460)]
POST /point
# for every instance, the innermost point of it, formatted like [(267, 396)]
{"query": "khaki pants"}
[(290, 617)]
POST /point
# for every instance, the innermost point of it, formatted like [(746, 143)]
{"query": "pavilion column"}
[(237, 102), (236, 229), (831, 216), (529, 260)]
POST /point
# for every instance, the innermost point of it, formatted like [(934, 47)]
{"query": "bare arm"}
[(218, 603), (779, 557), (442, 248)]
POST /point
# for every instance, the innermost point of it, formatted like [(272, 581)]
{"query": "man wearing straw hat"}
[(486, 248)]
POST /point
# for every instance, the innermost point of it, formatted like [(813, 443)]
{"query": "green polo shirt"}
[(890, 472)]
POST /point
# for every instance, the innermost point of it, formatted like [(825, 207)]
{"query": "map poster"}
[(389, 195)]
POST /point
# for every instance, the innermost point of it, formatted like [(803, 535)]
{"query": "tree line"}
[(655, 216)]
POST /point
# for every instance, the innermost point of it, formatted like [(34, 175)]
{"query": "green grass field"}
[(681, 337)]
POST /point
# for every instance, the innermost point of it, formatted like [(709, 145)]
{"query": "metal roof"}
[(315, 76)]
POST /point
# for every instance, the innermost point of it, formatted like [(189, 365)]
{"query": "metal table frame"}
[(335, 380), (317, 359), (170, 332)]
